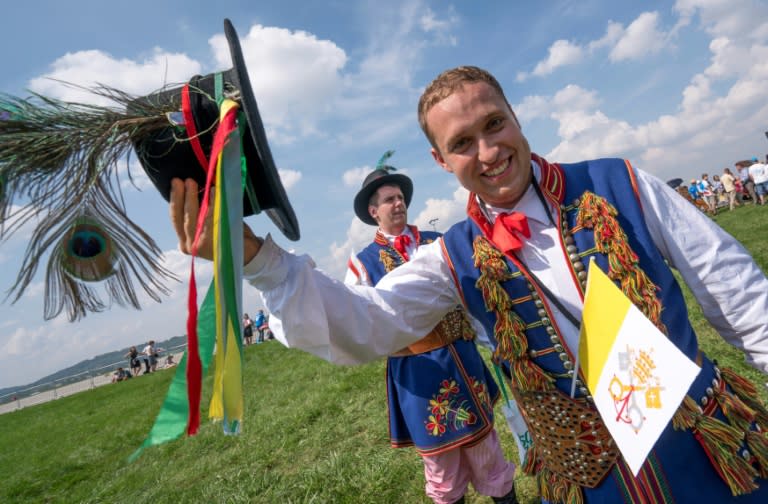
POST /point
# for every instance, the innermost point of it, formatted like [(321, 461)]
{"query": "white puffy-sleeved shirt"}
[(356, 324)]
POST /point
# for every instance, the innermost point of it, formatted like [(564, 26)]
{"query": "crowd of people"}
[(148, 358), (749, 185)]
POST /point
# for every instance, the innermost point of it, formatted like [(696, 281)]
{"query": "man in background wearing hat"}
[(440, 394), (518, 263)]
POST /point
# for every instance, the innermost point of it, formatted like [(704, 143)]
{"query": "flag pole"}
[(575, 375), (576, 361)]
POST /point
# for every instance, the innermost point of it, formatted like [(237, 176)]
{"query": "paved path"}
[(64, 390)]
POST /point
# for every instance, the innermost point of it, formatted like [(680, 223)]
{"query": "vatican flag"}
[(636, 376)]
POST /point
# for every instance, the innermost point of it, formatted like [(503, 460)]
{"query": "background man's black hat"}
[(377, 178), (168, 153)]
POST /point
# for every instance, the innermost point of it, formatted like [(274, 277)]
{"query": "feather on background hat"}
[(377, 178), (58, 165)]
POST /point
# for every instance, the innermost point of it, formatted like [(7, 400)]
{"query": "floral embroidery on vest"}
[(450, 409)]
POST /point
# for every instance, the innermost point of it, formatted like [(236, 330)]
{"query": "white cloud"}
[(355, 176), (88, 68), (708, 115), (571, 101), (358, 236), (613, 33), (439, 28), (443, 213), (532, 107), (672, 143), (561, 53), (294, 76), (574, 97), (289, 178), (730, 18), (642, 37)]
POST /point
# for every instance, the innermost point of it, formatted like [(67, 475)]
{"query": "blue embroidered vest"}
[(440, 394)]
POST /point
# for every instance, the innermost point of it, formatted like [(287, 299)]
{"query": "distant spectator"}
[(746, 182), (247, 329), (693, 189), (133, 361), (266, 333), (151, 353), (729, 186), (260, 323), (120, 374), (758, 173), (169, 362), (707, 193)]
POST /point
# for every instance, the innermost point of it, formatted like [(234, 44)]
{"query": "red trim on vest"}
[(633, 179), (352, 268), (477, 216), (552, 179), (453, 274), (380, 239), (189, 124)]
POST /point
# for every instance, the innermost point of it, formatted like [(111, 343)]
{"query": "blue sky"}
[(676, 87)]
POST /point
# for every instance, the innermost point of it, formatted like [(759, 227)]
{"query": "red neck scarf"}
[(401, 245), (507, 230)]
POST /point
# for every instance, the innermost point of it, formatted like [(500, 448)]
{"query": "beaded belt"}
[(570, 438)]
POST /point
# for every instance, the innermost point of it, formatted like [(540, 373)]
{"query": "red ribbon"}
[(194, 365), (507, 228), (401, 244), (189, 124)]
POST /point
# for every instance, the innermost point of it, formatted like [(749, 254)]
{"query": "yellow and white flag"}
[(637, 377)]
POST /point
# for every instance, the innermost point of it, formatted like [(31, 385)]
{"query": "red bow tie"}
[(401, 244), (507, 228)]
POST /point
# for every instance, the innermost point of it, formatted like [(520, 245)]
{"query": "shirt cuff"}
[(267, 268), (272, 266)]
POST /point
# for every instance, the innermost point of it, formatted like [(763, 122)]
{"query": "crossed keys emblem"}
[(638, 366)]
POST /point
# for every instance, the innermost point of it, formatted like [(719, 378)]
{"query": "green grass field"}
[(314, 433)]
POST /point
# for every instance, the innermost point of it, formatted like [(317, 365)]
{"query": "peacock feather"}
[(59, 167), (383, 159)]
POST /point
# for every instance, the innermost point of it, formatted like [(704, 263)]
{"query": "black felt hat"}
[(377, 178), (168, 153)]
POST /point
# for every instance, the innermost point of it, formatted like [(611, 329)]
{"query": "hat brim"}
[(164, 157), (269, 189), (363, 197)]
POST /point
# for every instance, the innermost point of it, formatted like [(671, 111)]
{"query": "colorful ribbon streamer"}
[(218, 321)]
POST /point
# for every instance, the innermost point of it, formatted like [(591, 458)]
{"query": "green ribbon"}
[(501, 382), (171, 422)]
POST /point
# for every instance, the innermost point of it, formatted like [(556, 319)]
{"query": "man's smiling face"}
[(479, 140)]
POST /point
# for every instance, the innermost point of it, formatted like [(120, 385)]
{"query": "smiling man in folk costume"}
[(440, 394), (518, 265)]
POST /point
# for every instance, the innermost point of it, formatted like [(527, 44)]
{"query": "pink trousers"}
[(448, 474)]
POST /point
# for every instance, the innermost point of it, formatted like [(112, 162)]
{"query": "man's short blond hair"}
[(448, 83)]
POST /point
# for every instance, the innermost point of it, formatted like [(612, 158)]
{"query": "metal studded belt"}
[(570, 437)]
